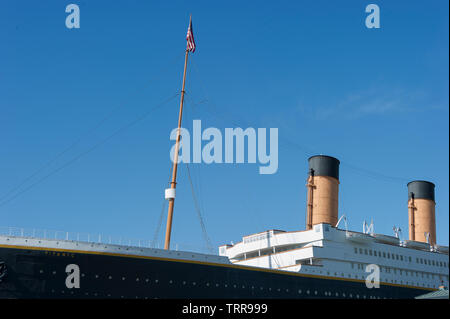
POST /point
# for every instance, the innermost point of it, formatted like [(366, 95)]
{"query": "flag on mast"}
[(190, 39)]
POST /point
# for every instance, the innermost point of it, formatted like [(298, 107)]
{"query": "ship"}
[(323, 261)]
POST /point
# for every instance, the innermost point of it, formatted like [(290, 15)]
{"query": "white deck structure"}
[(332, 252)]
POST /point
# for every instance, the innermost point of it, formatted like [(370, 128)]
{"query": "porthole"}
[(109, 277), (299, 291), (123, 278), (307, 291), (156, 280)]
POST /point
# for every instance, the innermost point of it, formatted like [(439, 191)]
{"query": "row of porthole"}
[(392, 280), (217, 285), (327, 293), (207, 284)]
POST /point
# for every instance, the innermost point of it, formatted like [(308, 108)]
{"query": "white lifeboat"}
[(417, 244), (386, 239), (358, 237)]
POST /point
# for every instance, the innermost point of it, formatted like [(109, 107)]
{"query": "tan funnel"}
[(323, 191), (421, 211)]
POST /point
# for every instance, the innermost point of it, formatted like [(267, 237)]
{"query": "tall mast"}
[(170, 192)]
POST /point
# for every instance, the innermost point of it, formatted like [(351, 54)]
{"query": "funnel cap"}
[(421, 189), (323, 165)]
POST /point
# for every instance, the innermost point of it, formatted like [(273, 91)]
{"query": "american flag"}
[(190, 39)]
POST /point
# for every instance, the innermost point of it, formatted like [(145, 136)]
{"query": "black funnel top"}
[(421, 189), (322, 165)]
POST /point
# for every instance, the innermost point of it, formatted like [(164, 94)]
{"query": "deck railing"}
[(93, 238)]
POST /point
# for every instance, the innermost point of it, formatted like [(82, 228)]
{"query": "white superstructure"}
[(331, 252)]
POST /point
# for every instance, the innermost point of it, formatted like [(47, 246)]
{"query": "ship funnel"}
[(323, 190), (421, 211)]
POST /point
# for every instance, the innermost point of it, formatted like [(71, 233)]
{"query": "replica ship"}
[(323, 261)]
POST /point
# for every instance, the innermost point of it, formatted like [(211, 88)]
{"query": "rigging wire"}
[(199, 214), (80, 137), (92, 148), (158, 227), (197, 171), (195, 190), (308, 151)]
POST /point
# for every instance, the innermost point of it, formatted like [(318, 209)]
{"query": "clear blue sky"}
[(377, 99)]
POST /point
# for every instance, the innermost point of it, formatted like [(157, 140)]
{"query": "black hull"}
[(41, 273)]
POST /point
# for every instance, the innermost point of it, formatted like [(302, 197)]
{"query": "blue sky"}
[(85, 136)]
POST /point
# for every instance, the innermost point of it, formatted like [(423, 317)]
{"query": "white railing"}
[(92, 238)]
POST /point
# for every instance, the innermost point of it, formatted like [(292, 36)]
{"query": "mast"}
[(170, 192)]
